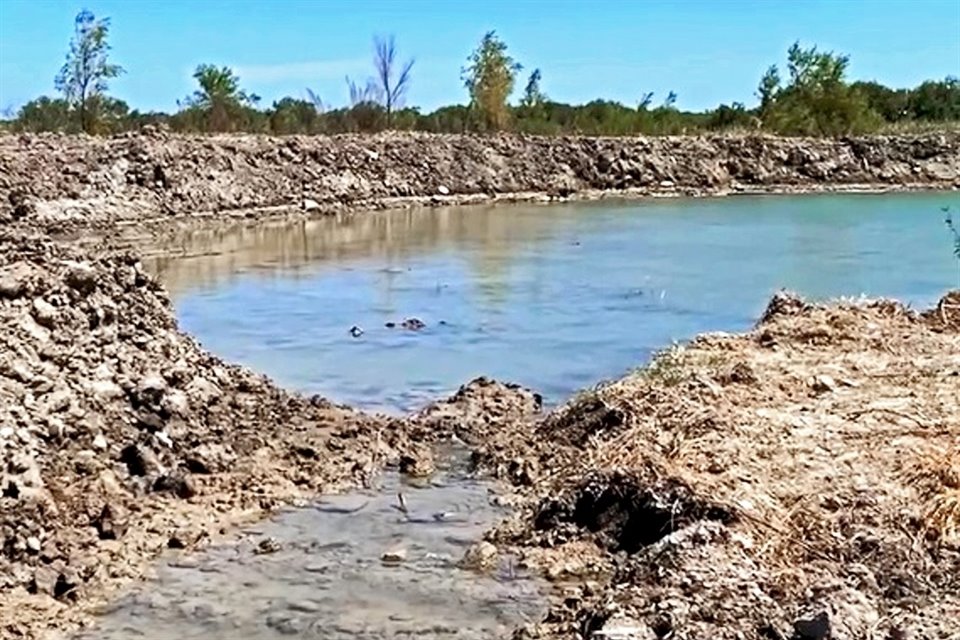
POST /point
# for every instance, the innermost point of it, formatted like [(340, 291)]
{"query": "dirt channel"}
[(799, 481)]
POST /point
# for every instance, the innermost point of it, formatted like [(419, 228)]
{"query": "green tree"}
[(290, 115), (45, 114), (768, 89), (936, 101), (86, 71), (817, 99), (220, 102), (392, 84), (489, 79)]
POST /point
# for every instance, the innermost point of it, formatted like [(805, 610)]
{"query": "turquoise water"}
[(554, 297)]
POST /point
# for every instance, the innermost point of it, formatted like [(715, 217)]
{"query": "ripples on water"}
[(554, 297)]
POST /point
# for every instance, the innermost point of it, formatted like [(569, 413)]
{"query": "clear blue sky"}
[(708, 51)]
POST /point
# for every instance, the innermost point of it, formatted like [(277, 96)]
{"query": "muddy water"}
[(553, 297), (326, 577)]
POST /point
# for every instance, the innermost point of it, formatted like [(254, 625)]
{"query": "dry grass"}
[(832, 434)]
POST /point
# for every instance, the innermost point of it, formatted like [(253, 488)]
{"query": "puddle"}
[(327, 578)]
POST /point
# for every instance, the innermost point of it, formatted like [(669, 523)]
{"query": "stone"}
[(44, 313), (99, 442), (310, 205), (175, 402), (823, 384), (14, 280), (178, 484), (413, 324), (109, 523), (33, 544), (105, 390), (394, 556), (813, 628), (81, 276), (480, 556), (268, 545)]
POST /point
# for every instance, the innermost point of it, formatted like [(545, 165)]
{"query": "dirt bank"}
[(799, 481), (121, 437), (60, 181)]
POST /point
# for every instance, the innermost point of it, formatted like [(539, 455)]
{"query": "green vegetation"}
[(489, 78), (83, 78), (815, 97), (955, 233)]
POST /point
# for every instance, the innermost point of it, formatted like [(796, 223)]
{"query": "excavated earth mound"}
[(799, 481), (60, 181), (120, 436)]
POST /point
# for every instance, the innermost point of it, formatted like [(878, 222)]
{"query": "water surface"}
[(326, 578), (553, 297)]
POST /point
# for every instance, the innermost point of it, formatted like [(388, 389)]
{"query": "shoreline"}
[(115, 450)]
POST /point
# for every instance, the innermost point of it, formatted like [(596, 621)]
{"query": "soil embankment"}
[(61, 182), (799, 481)]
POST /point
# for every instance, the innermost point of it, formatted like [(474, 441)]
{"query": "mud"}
[(798, 481), (350, 566), (65, 182)]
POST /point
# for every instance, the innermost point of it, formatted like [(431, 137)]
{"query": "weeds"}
[(951, 226)]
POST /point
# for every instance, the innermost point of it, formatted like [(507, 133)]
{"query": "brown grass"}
[(831, 434)]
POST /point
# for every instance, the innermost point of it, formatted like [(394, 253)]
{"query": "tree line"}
[(813, 97)]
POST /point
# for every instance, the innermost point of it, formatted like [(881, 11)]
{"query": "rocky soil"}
[(800, 481), (121, 437), (60, 181)]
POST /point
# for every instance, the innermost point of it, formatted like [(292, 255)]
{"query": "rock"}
[(394, 556), (620, 627), (105, 390), (22, 204), (99, 442), (82, 277), (268, 545), (203, 390), (33, 544), (14, 280), (310, 205), (175, 402), (44, 313), (813, 628), (418, 464), (44, 580), (152, 385), (110, 524), (140, 461), (178, 484), (823, 384), (413, 324), (480, 556)]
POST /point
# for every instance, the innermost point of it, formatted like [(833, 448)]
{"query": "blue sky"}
[(707, 51)]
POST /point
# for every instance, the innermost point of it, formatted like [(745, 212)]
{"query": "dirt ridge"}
[(58, 180)]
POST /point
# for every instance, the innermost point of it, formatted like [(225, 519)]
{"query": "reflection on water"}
[(327, 579), (555, 297)]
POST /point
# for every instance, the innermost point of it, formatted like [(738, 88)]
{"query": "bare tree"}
[(391, 86)]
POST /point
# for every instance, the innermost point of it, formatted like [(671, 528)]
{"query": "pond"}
[(553, 297)]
